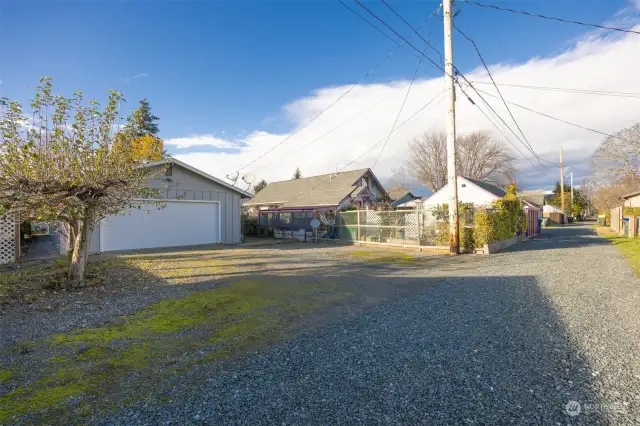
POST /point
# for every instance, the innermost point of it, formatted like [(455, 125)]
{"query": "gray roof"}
[(322, 190), (397, 193), (498, 192), (533, 197), (629, 195)]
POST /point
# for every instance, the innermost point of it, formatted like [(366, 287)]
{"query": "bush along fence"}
[(486, 229)]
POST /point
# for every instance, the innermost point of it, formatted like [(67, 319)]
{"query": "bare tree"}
[(615, 168), (478, 156), (618, 157)]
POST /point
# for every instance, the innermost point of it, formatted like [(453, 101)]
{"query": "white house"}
[(469, 191)]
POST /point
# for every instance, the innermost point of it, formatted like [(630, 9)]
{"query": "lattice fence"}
[(405, 227), (7, 239)]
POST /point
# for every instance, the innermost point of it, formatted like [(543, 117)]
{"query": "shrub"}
[(629, 211)]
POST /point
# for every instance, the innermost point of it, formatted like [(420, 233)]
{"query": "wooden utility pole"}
[(454, 224), (571, 205), (562, 184)]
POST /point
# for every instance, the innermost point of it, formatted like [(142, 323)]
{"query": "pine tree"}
[(259, 186), (297, 174), (142, 121)]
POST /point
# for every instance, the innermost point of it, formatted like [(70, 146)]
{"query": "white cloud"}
[(136, 77), (201, 140), (600, 62)]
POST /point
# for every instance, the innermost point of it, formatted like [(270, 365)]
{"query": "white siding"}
[(179, 223), (467, 193)]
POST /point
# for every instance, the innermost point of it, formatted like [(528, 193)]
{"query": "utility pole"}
[(562, 184), (454, 224), (571, 205)]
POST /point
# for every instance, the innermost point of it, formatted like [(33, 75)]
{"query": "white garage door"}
[(180, 223)]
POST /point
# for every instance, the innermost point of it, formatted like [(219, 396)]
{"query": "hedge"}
[(630, 211)]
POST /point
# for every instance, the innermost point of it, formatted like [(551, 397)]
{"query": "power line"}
[(415, 73), (414, 115), (333, 129), (371, 24), (413, 29), (495, 125), (568, 90), (475, 46), (339, 98), (444, 71), (400, 35), (553, 18), (560, 120)]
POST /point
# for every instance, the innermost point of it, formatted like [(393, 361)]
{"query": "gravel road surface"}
[(506, 339)]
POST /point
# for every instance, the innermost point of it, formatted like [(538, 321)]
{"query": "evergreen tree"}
[(259, 186), (142, 122), (297, 174)]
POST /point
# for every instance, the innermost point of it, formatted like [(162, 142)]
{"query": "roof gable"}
[(490, 188), (179, 163), (322, 190)]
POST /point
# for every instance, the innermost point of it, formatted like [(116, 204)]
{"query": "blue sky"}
[(210, 67)]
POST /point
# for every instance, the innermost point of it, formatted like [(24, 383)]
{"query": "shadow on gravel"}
[(450, 350)]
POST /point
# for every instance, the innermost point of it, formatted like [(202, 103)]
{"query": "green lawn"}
[(630, 247)]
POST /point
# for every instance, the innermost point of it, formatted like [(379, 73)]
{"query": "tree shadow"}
[(437, 350)]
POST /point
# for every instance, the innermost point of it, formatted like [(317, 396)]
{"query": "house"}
[(469, 191), (631, 200), (287, 208), (400, 196), (483, 194), (197, 209), (619, 220)]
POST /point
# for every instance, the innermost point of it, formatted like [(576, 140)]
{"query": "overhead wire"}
[(566, 89), (299, 129), (413, 29), (361, 113), (496, 126), (439, 96), (404, 101), (559, 119), (371, 24), (444, 71), (484, 64), (553, 18)]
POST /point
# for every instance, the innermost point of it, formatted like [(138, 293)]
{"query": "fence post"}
[(357, 225)]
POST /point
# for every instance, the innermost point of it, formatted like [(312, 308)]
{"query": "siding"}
[(470, 193), (193, 186)]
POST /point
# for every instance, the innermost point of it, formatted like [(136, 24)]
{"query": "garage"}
[(179, 223)]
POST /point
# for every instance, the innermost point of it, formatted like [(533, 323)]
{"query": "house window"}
[(168, 171), (464, 185), (364, 182)]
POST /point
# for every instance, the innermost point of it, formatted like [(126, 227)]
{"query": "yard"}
[(629, 247), (147, 317)]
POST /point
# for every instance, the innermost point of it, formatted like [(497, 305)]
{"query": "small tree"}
[(297, 174), (259, 186), (75, 172)]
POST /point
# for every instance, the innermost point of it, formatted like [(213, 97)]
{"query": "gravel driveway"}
[(505, 339)]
